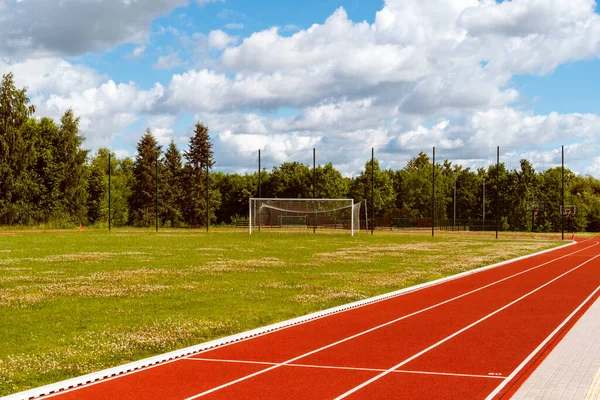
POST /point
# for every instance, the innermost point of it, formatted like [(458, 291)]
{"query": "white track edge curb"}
[(136, 365)]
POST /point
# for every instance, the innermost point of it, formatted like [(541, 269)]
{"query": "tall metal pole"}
[(109, 191), (433, 196), (454, 219), (315, 189), (207, 194), (562, 201), (156, 192), (259, 187), (314, 174), (497, 189), (372, 190), (483, 204)]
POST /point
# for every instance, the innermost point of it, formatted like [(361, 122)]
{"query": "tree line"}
[(48, 178)]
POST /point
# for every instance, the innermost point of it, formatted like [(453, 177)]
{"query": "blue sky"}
[(456, 74), (571, 88)]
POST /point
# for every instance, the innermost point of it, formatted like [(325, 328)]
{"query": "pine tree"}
[(200, 151), (70, 160), (171, 187), (142, 203), (198, 157)]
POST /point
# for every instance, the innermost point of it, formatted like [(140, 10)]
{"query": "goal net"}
[(304, 214)]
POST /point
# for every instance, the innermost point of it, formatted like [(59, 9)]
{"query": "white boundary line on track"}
[(399, 371), (151, 362), (510, 377), (433, 346)]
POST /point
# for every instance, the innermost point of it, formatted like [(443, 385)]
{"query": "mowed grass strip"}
[(76, 302)]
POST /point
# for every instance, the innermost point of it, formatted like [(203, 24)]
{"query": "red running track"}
[(470, 338)]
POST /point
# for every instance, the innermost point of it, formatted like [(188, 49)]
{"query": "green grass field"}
[(76, 302)]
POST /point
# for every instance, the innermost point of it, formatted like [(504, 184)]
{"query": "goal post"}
[(304, 214)]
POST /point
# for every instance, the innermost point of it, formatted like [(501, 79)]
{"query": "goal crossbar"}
[(326, 210)]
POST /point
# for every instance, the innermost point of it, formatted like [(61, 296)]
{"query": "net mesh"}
[(304, 214)]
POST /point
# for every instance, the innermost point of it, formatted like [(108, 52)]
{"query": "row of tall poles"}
[(372, 191), (454, 205), (156, 219), (433, 190)]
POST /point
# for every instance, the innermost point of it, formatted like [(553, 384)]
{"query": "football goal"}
[(304, 214)]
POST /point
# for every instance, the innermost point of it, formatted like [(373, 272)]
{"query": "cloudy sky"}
[(338, 75)]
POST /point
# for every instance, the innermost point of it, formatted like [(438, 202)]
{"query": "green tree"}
[(468, 200), (16, 154), (122, 184), (58, 174), (589, 197), (417, 185), (142, 202), (384, 195), (44, 173), (122, 180), (236, 190), (290, 180), (330, 183), (522, 188), (98, 187), (577, 190), (171, 196), (71, 164), (199, 156)]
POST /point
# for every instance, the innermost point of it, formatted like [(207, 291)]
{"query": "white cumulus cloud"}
[(218, 39)]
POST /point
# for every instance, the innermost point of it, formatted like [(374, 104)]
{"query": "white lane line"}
[(541, 346), (377, 327), (110, 374), (220, 360), (399, 371), (433, 346), (416, 289)]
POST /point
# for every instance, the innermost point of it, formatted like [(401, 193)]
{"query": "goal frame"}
[(254, 199)]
